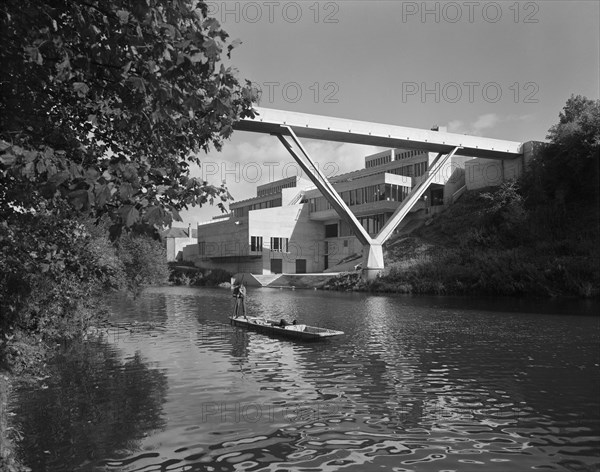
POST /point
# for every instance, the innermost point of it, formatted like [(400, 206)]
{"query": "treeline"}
[(190, 275), (538, 235), (54, 273)]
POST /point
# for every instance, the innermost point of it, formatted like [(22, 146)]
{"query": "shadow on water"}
[(92, 406)]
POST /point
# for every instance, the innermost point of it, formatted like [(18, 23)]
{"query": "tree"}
[(105, 104), (144, 261), (568, 166)]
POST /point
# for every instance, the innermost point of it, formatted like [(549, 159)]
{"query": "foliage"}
[(49, 277), (105, 103), (503, 207), (78, 266), (144, 261), (199, 277), (566, 171)]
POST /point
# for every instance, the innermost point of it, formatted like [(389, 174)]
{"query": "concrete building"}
[(289, 227), (291, 127), (480, 173), (180, 243)]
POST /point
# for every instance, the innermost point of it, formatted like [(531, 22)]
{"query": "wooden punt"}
[(297, 331)]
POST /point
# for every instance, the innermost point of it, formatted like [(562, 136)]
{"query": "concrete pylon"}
[(372, 261)]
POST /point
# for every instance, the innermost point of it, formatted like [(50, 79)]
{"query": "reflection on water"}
[(95, 404), (415, 384)]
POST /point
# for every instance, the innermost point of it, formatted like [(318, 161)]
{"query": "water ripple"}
[(415, 385)]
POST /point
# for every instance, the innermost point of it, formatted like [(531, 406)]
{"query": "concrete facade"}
[(290, 228), (480, 173), (177, 239)]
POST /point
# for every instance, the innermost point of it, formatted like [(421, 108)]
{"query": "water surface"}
[(416, 384)]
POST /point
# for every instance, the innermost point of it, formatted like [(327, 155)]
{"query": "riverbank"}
[(8, 461), (490, 243), (186, 273)]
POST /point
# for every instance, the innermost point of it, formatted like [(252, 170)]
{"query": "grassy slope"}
[(471, 248)]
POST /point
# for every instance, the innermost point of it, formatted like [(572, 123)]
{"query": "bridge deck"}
[(376, 134)]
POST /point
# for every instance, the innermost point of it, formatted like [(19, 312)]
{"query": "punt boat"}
[(297, 331)]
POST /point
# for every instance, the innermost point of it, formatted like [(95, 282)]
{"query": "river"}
[(415, 384)]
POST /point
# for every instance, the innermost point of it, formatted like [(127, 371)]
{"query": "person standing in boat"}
[(239, 293)]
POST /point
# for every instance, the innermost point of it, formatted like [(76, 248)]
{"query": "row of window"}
[(277, 244), (256, 245), (359, 196), (388, 158), (267, 191), (372, 224), (410, 170), (243, 211), (407, 154), (378, 161)]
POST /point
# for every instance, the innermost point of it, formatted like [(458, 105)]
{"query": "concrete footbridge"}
[(289, 127)]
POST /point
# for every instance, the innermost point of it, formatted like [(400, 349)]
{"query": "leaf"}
[(123, 16), (176, 215), (81, 88), (102, 195), (126, 68), (8, 159), (234, 44), (212, 48), (58, 178), (212, 24), (226, 131), (138, 83), (125, 191), (34, 55), (129, 215), (91, 175), (198, 57), (79, 199), (63, 69), (154, 215)]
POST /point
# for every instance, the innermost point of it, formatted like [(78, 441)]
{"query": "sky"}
[(496, 69)]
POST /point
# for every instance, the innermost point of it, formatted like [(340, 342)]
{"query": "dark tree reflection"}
[(93, 405)]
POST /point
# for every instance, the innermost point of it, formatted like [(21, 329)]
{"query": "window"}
[(331, 231), (279, 244), (346, 197), (256, 243)]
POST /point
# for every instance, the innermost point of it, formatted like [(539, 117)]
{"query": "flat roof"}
[(328, 128)]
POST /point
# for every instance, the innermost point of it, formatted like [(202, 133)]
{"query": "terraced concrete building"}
[(289, 227)]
